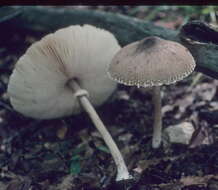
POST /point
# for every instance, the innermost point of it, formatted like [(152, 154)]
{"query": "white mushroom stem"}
[(122, 171), (156, 139)]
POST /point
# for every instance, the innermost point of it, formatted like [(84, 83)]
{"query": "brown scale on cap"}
[(151, 62)]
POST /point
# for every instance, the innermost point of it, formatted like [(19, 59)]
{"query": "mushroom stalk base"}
[(122, 171), (156, 139)]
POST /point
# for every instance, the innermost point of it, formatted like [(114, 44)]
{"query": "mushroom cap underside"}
[(38, 85)]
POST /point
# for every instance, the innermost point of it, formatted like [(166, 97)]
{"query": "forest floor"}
[(68, 153)]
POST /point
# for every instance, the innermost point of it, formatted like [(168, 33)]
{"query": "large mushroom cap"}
[(151, 62), (38, 85)]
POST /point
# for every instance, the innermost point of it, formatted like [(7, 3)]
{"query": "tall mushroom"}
[(152, 62), (62, 67)]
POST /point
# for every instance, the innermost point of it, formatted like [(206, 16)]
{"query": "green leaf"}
[(79, 149), (75, 166), (103, 149)]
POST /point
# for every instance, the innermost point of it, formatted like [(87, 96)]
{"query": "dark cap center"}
[(147, 43)]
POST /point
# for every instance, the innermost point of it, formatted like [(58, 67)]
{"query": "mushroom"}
[(152, 62), (64, 67)]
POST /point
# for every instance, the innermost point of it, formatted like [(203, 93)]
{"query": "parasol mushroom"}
[(152, 62), (64, 67)]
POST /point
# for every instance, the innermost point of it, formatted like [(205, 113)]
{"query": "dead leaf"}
[(213, 105), (144, 164), (19, 184), (205, 91), (66, 183), (194, 180), (172, 186), (213, 183), (61, 132), (201, 136), (166, 108)]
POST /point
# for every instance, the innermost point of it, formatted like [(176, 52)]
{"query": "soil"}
[(69, 153)]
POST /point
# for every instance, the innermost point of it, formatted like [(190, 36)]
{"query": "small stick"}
[(196, 79)]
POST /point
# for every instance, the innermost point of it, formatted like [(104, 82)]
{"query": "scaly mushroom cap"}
[(38, 85), (151, 62)]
